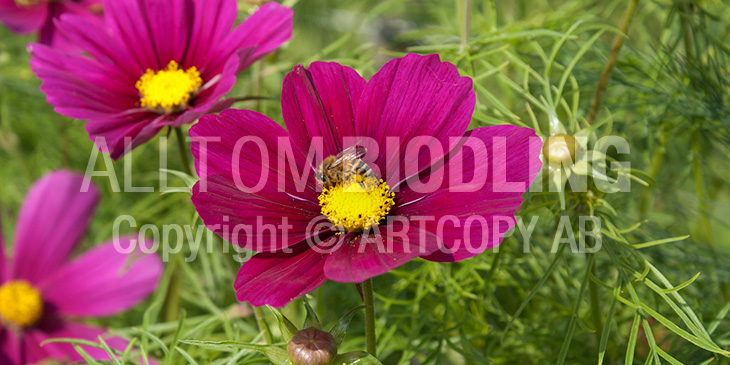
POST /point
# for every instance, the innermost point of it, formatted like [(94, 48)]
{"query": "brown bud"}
[(311, 347), (559, 149)]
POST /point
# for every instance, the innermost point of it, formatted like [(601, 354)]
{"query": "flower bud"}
[(311, 347), (559, 149)]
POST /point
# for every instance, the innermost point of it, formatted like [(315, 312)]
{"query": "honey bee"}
[(347, 164)]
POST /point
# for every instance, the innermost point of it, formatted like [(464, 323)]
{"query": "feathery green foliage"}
[(657, 290)]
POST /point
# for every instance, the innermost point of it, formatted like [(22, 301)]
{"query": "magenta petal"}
[(128, 21), (102, 46), (52, 220), (9, 348), (191, 115), (259, 134), (213, 21), (265, 221), (103, 281), (321, 102), (30, 350), (64, 329), (225, 79), (267, 29), (259, 145), (23, 19), (100, 85), (81, 87), (168, 24), (489, 211), (361, 257), (50, 35), (278, 278), (410, 97), (123, 132), (256, 191)]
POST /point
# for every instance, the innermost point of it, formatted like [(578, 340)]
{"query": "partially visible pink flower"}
[(30, 16), (41, 290), (164, 64), (249, 195)]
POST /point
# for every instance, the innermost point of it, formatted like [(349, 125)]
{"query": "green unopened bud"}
[(312, 347), (559, 149)]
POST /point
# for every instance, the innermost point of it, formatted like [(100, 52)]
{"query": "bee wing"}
[(349, 154)]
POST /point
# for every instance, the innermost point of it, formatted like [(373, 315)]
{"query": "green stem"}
[(63, 126), (702, 198), (182, 149), (492, 16), (595, 305), (689, 45), (258, 83), (172, 300), (367, 294), (700, 189), (465, 24), (654, 172), (263, 327), (495, 265), (618, 41), (252, 98)]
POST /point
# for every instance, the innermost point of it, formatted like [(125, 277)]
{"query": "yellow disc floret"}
[(27, 3), (355, 205), (20, 303), (168, 90)]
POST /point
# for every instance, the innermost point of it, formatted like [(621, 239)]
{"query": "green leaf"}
[(187, 356), (287, 328), (633, 334), (659, 242), (312, 320), (683, 285), (276, 354), (89, 360), (607, 324), (108, 350), (535, 289), (128, 351), (666, 356), (684, 334), (650, 340), (576, 307), (356, 357), (718, 319), (180, 324), (338, 330), (75, 341), (680, 300), (187, 179), (152, 337)]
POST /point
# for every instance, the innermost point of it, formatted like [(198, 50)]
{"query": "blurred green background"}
[(638, 300)]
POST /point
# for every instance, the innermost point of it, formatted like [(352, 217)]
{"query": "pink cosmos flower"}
[(164, 64), (41, 290), (250, 196), (30, 16)]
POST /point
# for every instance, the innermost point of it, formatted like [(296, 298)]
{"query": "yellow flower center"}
[(27, 3), (168, 90), (20, 303), (355, 205)]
